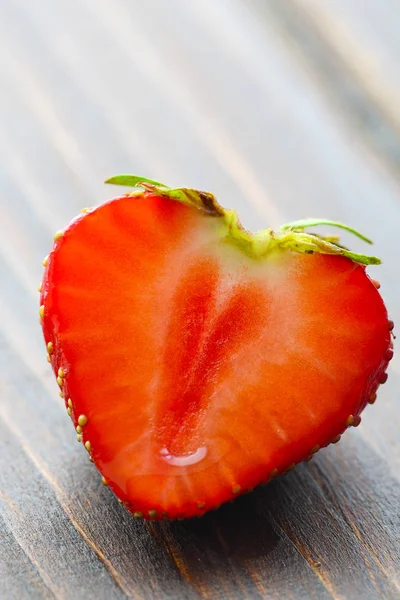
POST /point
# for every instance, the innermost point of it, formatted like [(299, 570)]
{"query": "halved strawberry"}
[(198, 360)]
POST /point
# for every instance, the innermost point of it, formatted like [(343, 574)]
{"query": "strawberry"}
[(198, 360)]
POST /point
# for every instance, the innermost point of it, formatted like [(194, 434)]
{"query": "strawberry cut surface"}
[(197, 361)]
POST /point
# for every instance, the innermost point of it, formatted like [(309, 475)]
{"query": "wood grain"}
[(347, 76), (285, 110)]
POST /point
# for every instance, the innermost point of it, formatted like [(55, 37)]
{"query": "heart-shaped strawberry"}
[(198, 360)]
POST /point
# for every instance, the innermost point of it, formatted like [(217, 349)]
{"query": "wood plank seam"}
[(321, 575), (36, 566), (117, 577), (364, 544)]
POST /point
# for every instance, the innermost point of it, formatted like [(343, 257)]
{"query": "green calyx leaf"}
[(306, 242), (204, 201), (304, 223), (327, 244), (290, 237), (133, 181)]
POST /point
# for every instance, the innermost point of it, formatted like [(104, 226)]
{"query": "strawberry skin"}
[(197, 360)]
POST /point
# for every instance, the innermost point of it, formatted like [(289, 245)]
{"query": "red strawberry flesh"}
[(201, 369)]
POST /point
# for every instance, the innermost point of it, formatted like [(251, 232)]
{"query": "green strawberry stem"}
[(291, 236)]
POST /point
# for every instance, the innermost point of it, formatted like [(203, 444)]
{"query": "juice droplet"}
[(183, 460)]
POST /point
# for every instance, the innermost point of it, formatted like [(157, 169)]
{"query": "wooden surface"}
[(285, 109)]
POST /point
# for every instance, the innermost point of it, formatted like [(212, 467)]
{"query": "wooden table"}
[(285, 109)]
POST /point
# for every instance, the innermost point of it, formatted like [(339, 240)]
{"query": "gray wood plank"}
[(366, 105), (71, 560), (19, 577), (368, 33)]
